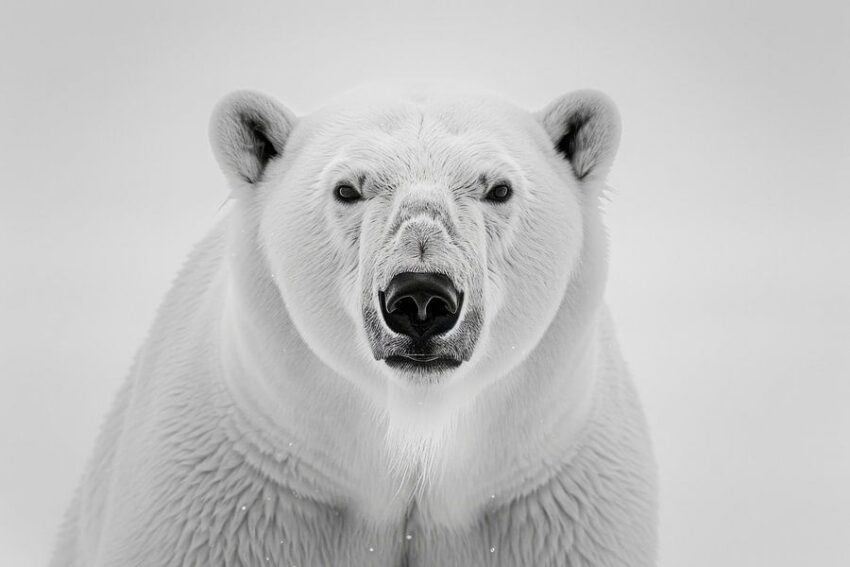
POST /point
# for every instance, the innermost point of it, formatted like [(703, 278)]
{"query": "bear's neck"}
[(292, 407)]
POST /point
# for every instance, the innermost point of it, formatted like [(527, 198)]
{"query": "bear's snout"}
[(420, 304)]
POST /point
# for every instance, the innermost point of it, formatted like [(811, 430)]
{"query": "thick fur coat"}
[(260, 424)]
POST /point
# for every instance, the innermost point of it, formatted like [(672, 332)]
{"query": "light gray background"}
[(729, 279)]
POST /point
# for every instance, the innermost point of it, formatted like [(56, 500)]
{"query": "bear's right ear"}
[(247, 130), (584, 127)]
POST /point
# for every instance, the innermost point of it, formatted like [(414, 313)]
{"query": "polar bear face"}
[(426, 238)]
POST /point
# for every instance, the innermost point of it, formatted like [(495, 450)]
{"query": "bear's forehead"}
[(419, 131), (436, 141)]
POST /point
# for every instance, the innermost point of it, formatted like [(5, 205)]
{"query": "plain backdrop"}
[(728, 219)]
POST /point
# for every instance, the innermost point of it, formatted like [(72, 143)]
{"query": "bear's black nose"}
[(420, 304)]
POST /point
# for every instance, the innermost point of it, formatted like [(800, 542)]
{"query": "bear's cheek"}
[(533, 274), (307, 260)]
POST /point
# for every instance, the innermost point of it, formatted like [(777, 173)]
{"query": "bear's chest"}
[(205, 500), (238, 518)]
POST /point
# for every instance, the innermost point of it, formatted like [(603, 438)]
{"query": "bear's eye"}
[(499, 193), (346, 193)]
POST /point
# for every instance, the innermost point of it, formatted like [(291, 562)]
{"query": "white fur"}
[(256, 426)]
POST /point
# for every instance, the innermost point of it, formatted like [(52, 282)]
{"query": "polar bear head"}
[(419, 237)]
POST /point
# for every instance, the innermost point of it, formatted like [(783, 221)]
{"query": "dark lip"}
[(428, 362)]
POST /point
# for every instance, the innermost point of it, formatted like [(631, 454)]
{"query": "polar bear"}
[(392, 350)]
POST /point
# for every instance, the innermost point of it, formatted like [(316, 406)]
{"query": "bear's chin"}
[(421, 369)]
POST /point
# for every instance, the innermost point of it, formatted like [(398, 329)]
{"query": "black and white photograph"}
[(425, 284)]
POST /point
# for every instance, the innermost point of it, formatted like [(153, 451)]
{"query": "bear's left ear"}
[(248, 130), (585, 128)]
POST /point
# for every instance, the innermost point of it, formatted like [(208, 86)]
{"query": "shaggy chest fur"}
[(229, 515), (191, 492)]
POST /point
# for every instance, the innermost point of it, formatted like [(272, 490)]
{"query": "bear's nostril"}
[(420, 304), (423, 304), (409, 304)]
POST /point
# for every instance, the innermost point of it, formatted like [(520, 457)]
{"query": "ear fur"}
[(247, 130), (585, 128)]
